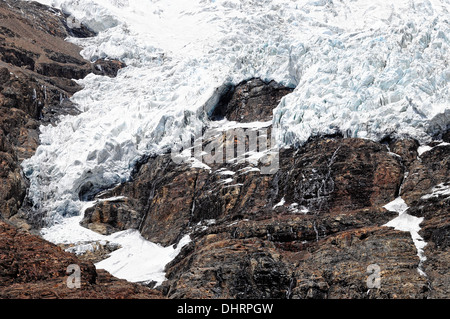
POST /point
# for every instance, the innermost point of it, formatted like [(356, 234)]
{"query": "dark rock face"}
[(340, 175), (317, 244), (13, 185), (430, 170), (427, 191), (251, 101), (110, 217), (436, 232), (107, 67), (218, 265)]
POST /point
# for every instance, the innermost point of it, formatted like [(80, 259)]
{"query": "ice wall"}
[(363, 68)]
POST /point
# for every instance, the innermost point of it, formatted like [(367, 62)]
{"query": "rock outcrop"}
[(318, 243), (427, 192), (251, 101)]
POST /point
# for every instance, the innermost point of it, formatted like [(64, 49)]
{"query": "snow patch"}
[(407, 223), (137, 260), (295, 208), (425, 148), (440, 190), (398, 206), (280, 204), (226, 173)]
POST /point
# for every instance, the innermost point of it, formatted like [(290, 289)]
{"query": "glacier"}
[(366, 69), (362, 68)]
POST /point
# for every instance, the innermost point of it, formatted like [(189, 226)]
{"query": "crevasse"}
[(363, 68)]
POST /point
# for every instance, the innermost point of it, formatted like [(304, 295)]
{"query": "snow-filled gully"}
[(407, 223)]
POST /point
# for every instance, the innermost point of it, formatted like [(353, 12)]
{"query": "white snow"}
[(280, 204), (226, 181), (398, 206), (426, 148), (226, 173), (226, 125), (407, 223), (365, 68), (137, 260), (439, 190), (295, 208), (423, 149)]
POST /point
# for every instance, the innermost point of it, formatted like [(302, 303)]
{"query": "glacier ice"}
[(366, 69)]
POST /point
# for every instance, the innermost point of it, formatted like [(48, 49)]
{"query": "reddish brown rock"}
[(406, 149), (244, 248), (111, 216), (435, 209), (430, 170), (339, 174), (250, 101), (220, 266), (31, 268)]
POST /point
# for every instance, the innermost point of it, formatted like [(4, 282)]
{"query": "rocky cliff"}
[(313, 229)]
